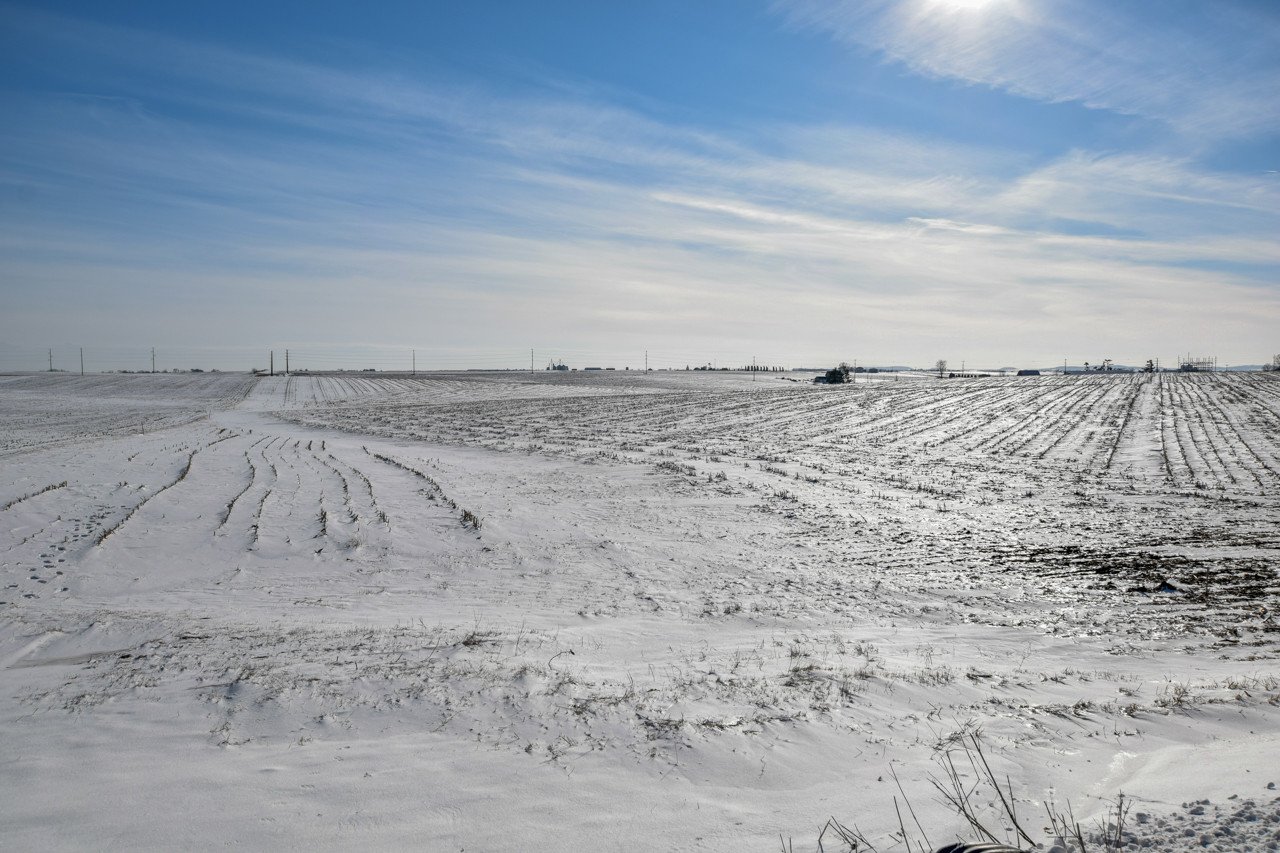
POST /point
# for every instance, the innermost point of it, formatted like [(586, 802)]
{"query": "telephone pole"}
[(646, 361), (82, 361), (272, 369), (286, 362), (51, 361), (415, 362), (153, 359)]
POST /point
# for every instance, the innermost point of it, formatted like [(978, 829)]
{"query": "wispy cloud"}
[(242, 192), (1204, 69)]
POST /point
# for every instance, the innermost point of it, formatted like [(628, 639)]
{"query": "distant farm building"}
[(1028, 373), (1203, 364)]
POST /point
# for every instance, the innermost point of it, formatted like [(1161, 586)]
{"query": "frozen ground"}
[(630, 611)]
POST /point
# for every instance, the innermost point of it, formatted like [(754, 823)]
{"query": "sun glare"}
[(965, 5)]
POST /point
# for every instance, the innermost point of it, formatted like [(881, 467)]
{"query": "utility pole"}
[(415, 362), (153, 359), (51, 361), (530, 359), (82, 361), (286, 362), (272, 370), (646, 361)]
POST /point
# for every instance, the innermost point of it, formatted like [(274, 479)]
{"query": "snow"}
[(701, 611)]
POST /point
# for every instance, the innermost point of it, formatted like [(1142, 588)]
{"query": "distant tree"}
[(838, 375), (941, 367)]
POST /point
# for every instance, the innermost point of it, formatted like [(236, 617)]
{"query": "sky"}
[(993, 182)]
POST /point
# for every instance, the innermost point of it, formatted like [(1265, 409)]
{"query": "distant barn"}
[(1028, 373)]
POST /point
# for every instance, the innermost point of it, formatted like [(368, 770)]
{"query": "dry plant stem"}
[(853, 839), (958, 798), (1008, 804), (907, 800), (902, 829), (1066, 826), (1115, 838)]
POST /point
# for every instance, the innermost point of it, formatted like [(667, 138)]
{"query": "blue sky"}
[(1005, 182)]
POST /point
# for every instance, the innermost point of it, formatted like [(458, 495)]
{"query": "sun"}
[(972, 10), (966, 5)]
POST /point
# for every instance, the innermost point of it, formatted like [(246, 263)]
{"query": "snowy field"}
[(630, 611)]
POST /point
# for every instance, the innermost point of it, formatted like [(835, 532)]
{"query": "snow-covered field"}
[(619, 610)]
